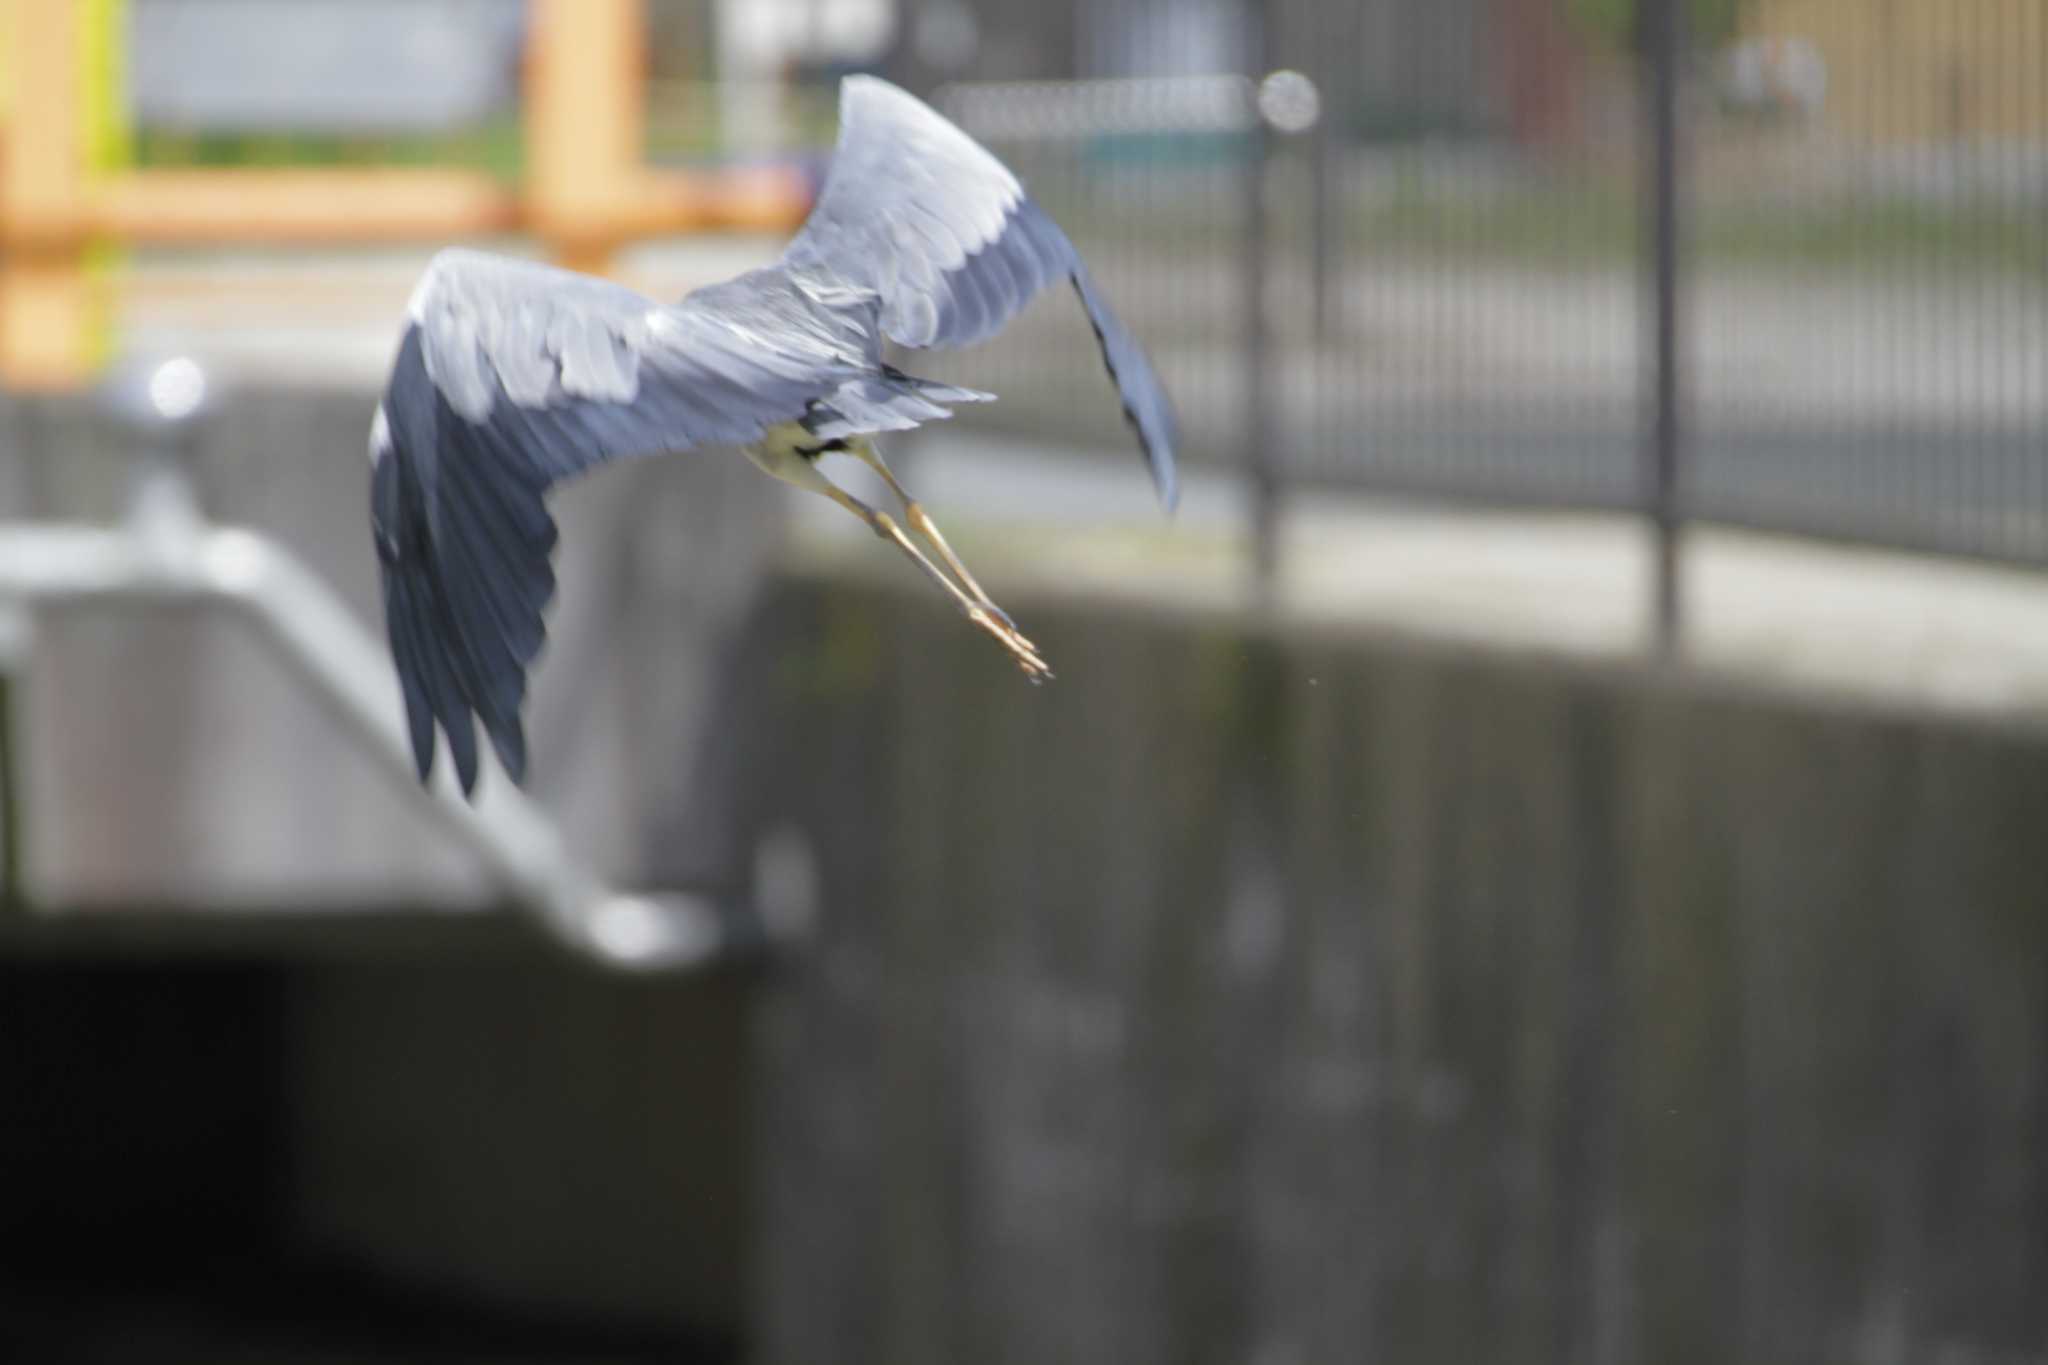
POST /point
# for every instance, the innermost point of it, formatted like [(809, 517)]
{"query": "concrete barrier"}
[(1256, 992), (169, 760), (1322, 998)]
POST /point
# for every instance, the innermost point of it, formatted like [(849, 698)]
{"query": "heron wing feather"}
[(514, 376), (920, 215)]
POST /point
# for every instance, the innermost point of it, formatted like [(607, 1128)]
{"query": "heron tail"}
[(935, 390), (886, 400)]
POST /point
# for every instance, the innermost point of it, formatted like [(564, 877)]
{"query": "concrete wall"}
[(172, 760), (1253, 993), (1304, 998)]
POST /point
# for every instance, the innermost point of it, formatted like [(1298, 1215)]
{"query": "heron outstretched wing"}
[(954, 247), (513, 376)]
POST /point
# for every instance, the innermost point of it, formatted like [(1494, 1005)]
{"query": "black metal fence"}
[(1425, 257)]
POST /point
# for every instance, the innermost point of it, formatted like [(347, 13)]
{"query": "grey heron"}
[(512, 376)]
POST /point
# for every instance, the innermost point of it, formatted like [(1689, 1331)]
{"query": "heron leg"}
[(983, 614), (922, 523), (792, 469)]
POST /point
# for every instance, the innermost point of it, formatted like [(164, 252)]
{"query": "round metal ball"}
[(158, 395)]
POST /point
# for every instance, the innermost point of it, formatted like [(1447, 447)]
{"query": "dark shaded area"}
[(144, 1112), (165, 1198), (252, 1309)]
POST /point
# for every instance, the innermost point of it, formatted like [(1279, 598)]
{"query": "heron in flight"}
[(513, 376)]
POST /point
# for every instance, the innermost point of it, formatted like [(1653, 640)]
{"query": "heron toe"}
[(1021, 650)]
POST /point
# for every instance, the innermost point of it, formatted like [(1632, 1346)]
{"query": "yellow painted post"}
[(45, 304), (585, 109), (108, 138)]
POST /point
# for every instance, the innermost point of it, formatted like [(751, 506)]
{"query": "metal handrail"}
[(165, 552)]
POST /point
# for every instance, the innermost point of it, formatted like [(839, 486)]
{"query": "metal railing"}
[(1788, 273), (165, 552)]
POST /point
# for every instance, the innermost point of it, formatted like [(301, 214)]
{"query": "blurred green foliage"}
[(1712, 22), (1597, 219), (682, 126), (493, 147)]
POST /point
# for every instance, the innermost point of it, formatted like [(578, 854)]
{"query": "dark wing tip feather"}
[(426, 673), (917, 211), (464, 583), (1146, 407), (513, 377), (402, 624), (442, 680), (994, 282)]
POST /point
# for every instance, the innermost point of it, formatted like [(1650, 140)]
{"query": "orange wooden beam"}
[(586, 190), (290, 207), (658, 203), (45, 297), (42, 148), (585, 111), (758, 199), (300, 206)]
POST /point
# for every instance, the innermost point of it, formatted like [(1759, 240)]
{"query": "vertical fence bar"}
[(1661, 30), (1261, 455), (1328, 37)]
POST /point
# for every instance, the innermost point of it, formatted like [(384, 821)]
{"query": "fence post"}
[(1261, 457), (1338, 41), (1661, 32)]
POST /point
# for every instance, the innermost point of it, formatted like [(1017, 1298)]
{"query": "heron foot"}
[(1021, 650), (1009, 626), (922, 523), (863, 448), (980, 613)]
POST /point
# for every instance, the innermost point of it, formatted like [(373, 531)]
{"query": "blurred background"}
[(1542, 858)]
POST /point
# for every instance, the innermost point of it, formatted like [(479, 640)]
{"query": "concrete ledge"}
[(1860, 625)]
